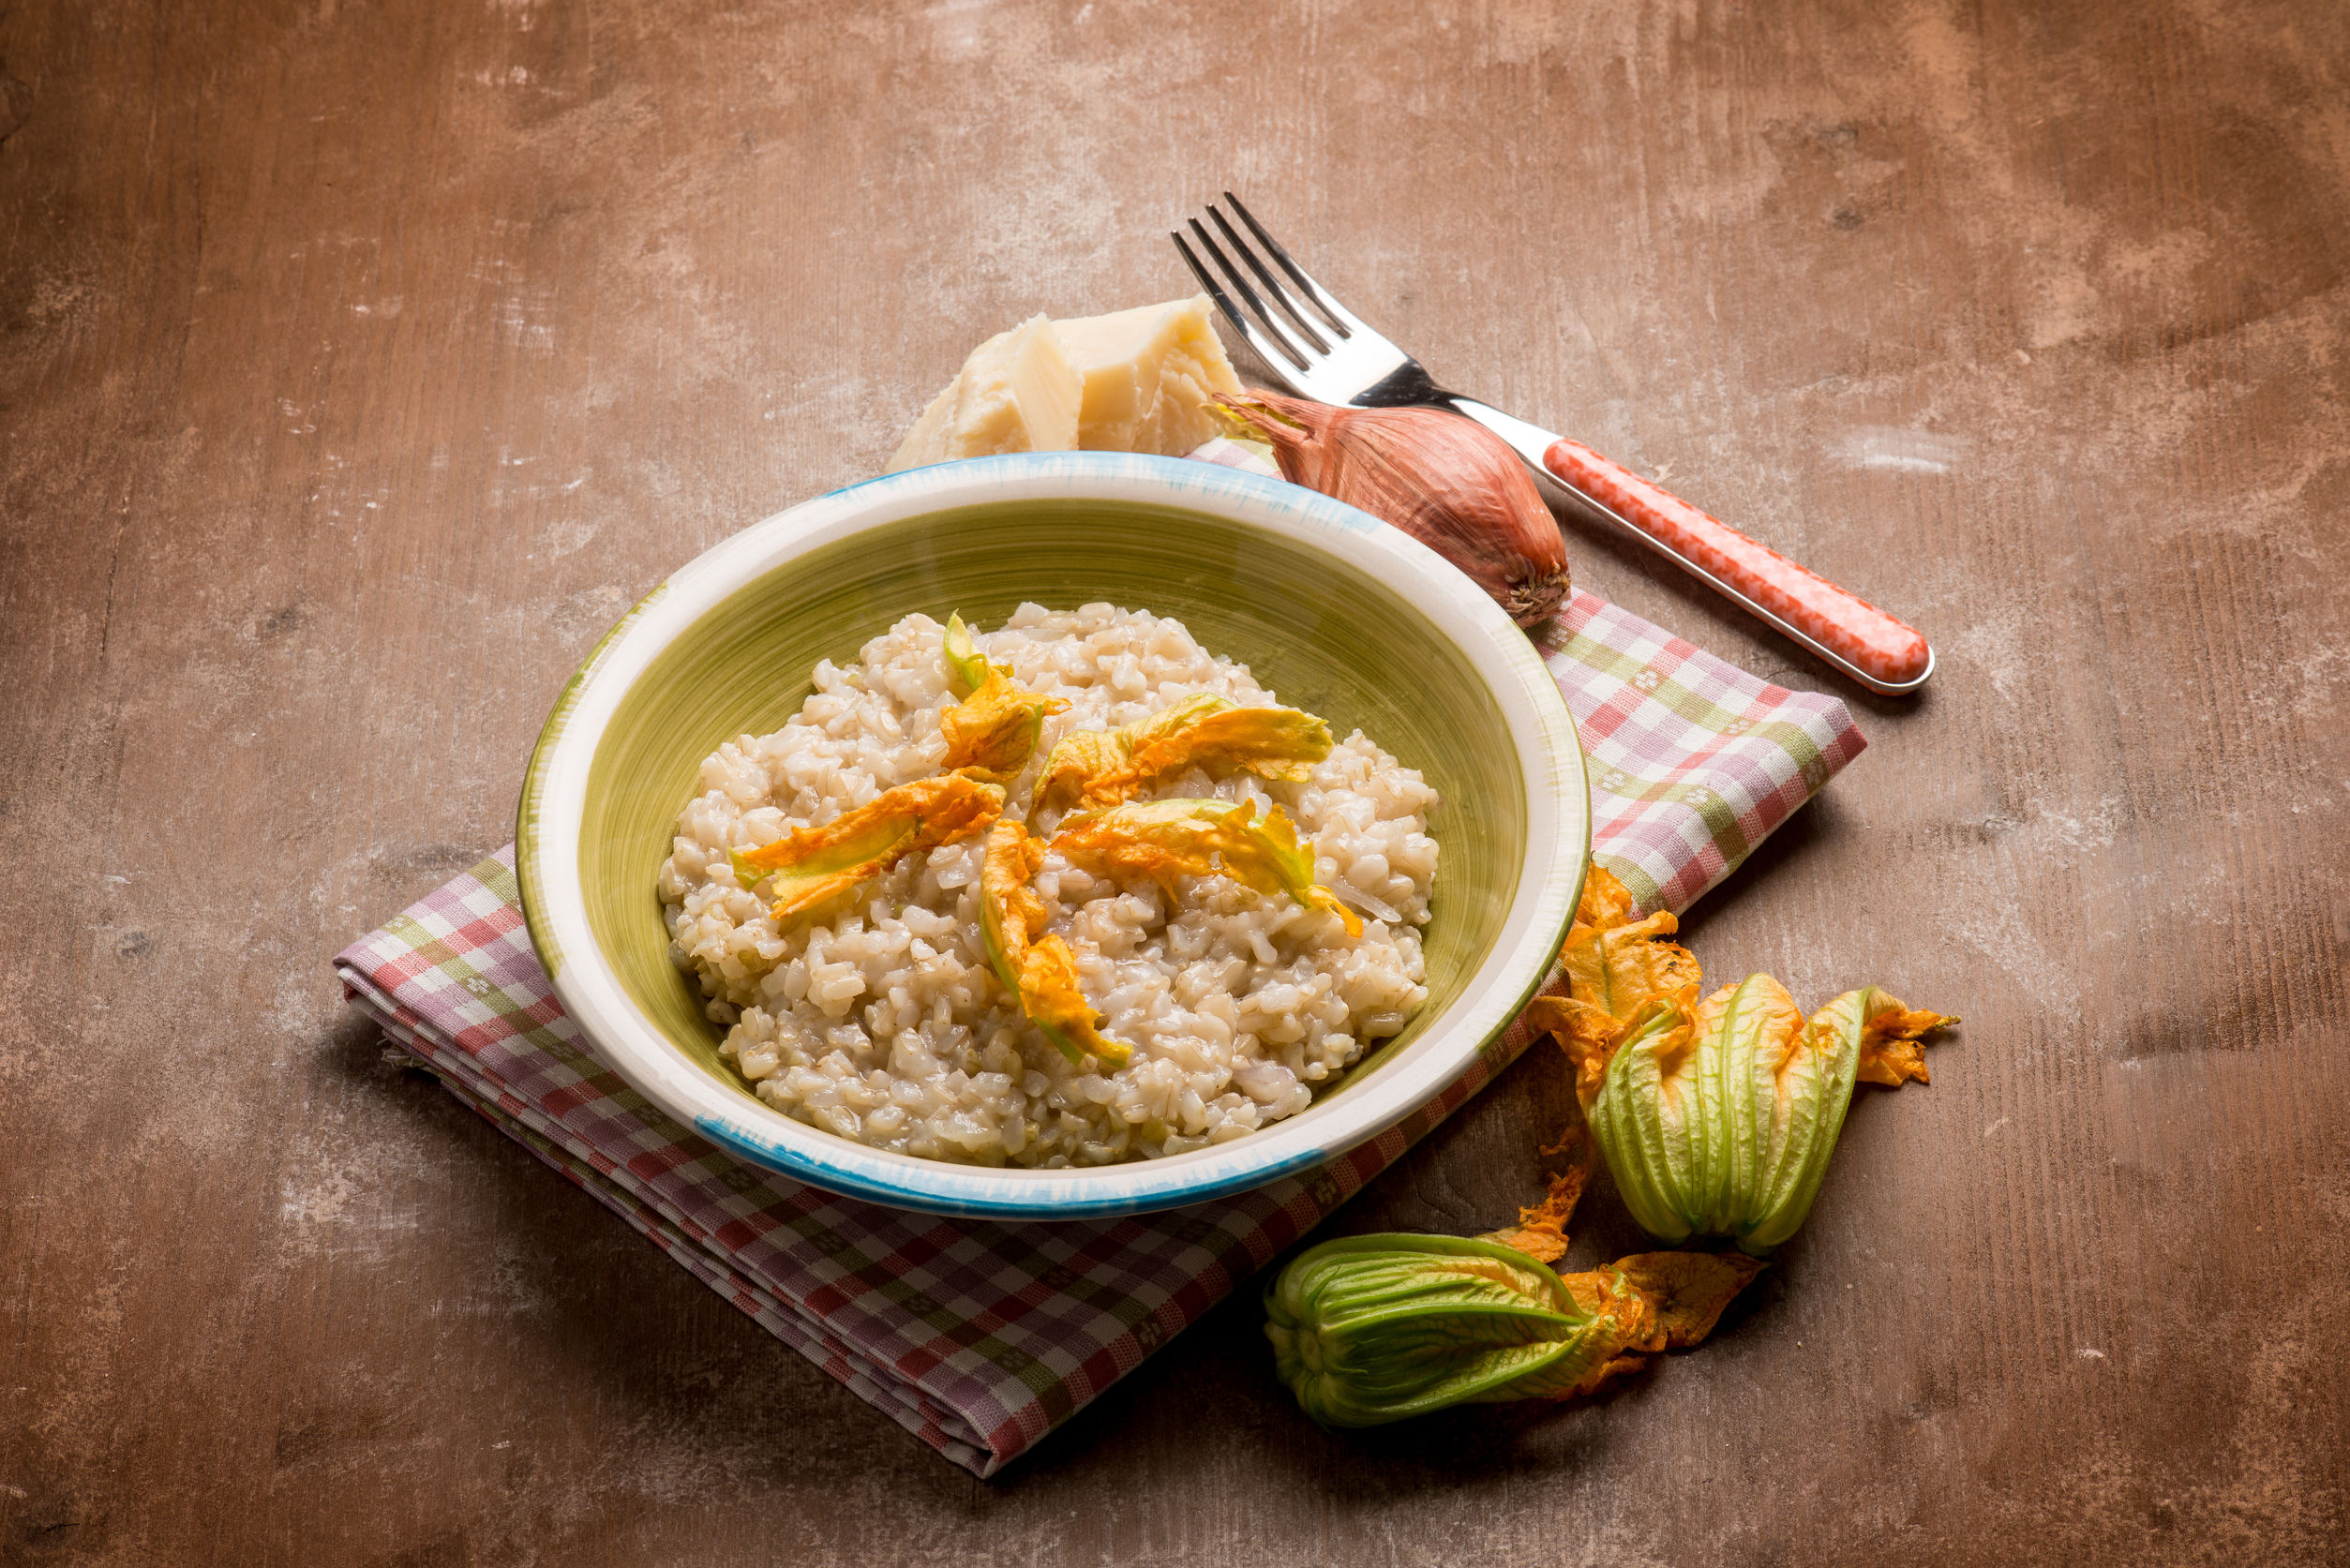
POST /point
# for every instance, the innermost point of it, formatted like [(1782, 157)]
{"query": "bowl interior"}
[(1321, 633)]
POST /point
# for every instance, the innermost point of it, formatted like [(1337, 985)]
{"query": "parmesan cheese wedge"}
[(1017, 393), (1133, 381), (1150, 373)]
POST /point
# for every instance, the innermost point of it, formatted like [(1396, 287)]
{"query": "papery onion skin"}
[(1446, 480)]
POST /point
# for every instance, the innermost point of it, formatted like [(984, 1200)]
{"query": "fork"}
[(1330, 356)]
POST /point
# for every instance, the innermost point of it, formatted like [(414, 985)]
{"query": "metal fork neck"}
[(1407, 386)]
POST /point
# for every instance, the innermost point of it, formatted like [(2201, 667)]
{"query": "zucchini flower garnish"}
[(1097, 768), (1040, 974), (994, 730), (1163, 839), (811, 866), (1717, 1118), (967, 669), (1372, 1329)]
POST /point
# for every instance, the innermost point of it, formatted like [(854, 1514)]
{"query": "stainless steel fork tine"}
[(1272, 285), (1215, 289), (1264, 345), (1240, 284), (1346, 322)]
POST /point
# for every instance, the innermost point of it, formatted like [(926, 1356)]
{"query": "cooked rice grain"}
[(884, 1023)]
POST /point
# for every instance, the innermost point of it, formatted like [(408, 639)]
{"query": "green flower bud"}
[(1721, 1123), (1372, 1329), (966, 671)]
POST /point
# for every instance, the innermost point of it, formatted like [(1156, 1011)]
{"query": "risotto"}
[(881, 1007)]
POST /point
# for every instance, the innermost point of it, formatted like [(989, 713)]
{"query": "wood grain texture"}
[(359, 362)]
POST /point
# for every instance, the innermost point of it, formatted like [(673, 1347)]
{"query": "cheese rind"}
[(1018, 392), (1149, 374)]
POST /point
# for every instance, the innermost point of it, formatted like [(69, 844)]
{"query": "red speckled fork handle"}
[(1888, 653)]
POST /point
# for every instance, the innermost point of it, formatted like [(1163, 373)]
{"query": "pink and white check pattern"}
[(979, 1338)]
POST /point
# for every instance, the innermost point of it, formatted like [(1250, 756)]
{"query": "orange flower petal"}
[(1096, 768), (811, 866)]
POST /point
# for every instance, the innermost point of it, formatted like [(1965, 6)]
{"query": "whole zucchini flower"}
[(1721, 1123), (1372, 1329), (1716, 1117)]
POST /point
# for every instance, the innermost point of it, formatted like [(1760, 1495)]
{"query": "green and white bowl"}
[(1338, 612)]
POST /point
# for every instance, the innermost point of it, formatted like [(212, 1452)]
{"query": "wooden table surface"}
[(360, 361)]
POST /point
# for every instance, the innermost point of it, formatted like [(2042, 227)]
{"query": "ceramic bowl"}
[(1337, 612)]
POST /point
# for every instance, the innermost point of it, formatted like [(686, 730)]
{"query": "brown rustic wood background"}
[(361, 359)]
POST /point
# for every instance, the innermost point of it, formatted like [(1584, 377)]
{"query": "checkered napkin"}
[(977, 1337)]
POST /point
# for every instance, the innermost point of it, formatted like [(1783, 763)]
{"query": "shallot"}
[(1444, 480)]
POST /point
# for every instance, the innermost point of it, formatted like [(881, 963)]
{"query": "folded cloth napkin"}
[(979, 1337)]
